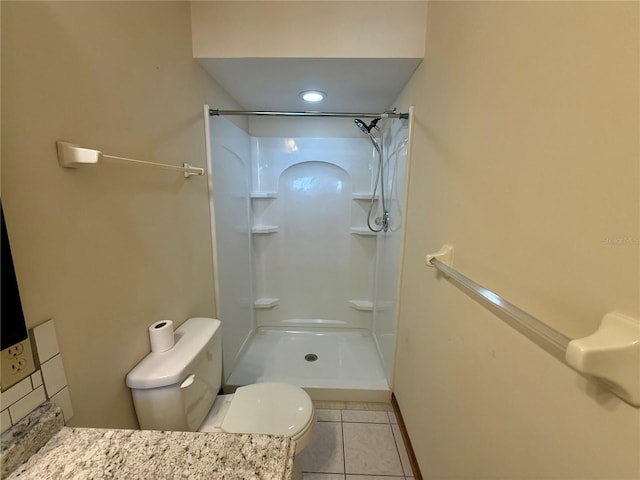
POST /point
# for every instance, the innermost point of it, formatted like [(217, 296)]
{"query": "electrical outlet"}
[(15, 350), (17, 363)]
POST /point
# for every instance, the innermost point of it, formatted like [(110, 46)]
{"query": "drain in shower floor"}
[(311, 357)]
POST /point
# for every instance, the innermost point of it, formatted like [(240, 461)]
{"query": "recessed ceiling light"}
[(313, 95)]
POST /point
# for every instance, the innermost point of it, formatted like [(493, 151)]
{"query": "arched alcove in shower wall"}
[(311, 261), (307, 264)]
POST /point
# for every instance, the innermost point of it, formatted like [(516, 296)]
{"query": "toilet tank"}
[(174, 390)]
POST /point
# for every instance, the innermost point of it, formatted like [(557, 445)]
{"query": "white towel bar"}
[(72, 156), (611, 354)]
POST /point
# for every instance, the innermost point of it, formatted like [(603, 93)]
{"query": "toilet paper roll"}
[(161, 336)]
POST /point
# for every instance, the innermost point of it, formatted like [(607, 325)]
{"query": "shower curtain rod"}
[(216, 113)]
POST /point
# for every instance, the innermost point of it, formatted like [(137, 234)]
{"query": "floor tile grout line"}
[(344, 447), (343, 475), (395, 440), (377, 475), (358, 475)]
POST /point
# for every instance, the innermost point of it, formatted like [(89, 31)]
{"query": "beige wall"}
[(525, 159), (306, 29), (109, 249)]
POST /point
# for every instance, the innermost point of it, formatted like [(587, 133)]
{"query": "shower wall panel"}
[(313, 259), (229, 173), (389, 244)]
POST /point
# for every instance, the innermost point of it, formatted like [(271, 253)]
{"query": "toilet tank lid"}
[(172, 366)]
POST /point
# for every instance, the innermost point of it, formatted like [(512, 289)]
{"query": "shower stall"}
[(307, 244)]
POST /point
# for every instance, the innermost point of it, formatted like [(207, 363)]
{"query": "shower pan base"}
[(329, 364)]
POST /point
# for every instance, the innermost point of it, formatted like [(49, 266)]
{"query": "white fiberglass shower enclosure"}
[(305, 290)]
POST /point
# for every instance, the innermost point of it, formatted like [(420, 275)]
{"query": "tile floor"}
[(355, 441)]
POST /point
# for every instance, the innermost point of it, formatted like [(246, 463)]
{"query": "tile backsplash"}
[(47, 383)]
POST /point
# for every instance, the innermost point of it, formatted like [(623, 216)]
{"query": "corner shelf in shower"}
[(364, 231), (264, 229), (266, 302), (361, 305), (263, 195)]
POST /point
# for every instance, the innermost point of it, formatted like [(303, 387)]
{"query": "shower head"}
[(367, 131), (367, 128), (362, 126)]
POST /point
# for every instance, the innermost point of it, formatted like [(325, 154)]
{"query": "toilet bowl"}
[(178, 390)]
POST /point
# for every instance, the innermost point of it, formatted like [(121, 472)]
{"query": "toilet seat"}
[(303, 438), (270, 408)]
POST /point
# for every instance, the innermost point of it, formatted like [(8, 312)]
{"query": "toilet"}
[(178, 390)]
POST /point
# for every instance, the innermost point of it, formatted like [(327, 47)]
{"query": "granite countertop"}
[(91, 453)]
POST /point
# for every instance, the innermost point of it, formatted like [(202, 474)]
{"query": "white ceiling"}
[(351, 84)]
